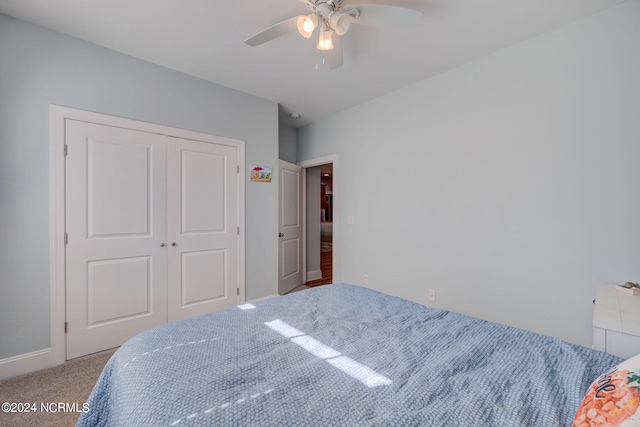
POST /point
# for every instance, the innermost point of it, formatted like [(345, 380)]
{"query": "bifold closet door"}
[(203, 200), (116, 228)]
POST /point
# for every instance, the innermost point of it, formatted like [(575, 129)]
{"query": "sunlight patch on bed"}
[(356, 370), (315, 347), (359, 371), (284, 328), (246, 306)]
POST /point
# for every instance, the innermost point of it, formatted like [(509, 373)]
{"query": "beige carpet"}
[(69, 383)]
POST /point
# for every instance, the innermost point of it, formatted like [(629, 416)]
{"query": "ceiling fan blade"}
[(273, 32), (386, 16), (334, 56)]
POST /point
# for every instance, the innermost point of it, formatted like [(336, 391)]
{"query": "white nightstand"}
[(616, 322)]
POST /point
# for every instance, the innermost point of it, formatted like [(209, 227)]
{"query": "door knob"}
[(280, 234), (173, 244), (162, 245)]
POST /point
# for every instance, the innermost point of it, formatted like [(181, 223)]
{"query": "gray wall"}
[(287, 144), (39, 67), (510, 185)]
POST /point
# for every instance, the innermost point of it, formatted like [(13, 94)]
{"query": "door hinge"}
[(66, 149), (238, 168), (238, 291), (66, 327), (238, 230), (66, 238)]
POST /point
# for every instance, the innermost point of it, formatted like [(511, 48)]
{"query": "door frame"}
[(333, 159), (58, 115)]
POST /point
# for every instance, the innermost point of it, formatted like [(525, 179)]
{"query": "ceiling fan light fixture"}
[(324, 41), (340, 22), (306, 24)]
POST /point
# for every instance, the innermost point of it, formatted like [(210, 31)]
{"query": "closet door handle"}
[(173, 244), (280, 234), (162, 245)]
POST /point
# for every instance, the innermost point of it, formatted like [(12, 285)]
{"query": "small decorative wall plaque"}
[(260, 173)]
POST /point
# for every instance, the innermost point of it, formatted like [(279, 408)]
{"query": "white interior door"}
[(116, 226), (203, 199), (290, 225)]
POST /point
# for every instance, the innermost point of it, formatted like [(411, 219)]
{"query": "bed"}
[(342, 355)]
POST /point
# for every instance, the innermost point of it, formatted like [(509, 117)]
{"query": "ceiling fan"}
[(333, 19)]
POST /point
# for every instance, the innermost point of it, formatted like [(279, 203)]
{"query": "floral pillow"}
[(613, 398)]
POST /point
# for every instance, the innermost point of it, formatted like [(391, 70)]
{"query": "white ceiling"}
[(205, 38)]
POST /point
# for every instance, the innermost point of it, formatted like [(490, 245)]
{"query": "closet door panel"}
[(202, 227), (116, 222), (197, 269), (119, 175), (203, 200)]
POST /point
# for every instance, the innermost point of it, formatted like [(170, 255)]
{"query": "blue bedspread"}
[(342, 355)]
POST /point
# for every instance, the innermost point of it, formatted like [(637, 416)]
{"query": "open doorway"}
[(319, 225)]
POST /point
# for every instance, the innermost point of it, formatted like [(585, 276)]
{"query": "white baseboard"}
[(25, 363), (314, 275), (260, 299)]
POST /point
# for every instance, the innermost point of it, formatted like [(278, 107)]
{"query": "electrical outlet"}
[(432, 295), (366, 279)]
